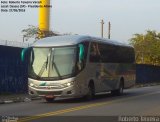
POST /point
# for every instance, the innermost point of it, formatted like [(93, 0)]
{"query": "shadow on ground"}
[(98, 98)]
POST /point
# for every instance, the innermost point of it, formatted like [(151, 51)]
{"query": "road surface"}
[(136, 102)]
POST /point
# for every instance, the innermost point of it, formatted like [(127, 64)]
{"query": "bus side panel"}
[(129, 75), (89, 73), (81, 81), (107, 76)]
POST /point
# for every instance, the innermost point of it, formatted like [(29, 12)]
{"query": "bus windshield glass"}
[(52, 63)]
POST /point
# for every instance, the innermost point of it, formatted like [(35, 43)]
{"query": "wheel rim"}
[(121, 88)]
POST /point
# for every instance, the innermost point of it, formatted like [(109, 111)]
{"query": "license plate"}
[(49, 96)]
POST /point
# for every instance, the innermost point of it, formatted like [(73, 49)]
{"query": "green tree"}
[(36, 33), (147, 47)]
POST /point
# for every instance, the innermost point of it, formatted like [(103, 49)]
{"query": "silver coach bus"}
[(77, 66)]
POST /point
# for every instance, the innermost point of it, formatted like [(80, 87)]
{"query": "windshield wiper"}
[(55, 66), (44, 66), (57, 71)]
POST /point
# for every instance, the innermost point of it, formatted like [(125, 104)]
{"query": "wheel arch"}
[(91, 82), (122, 80)]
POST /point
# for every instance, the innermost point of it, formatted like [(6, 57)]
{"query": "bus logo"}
[(42, 84)]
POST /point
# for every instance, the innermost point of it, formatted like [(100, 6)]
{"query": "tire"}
[(91, 92), (119, 91), (49, 100)]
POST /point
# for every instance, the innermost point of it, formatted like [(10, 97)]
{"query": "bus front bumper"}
[(47, 92)]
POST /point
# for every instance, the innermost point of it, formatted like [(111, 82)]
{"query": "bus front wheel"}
[(91, 92), (49, 100)]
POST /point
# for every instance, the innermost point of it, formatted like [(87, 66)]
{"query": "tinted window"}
[(107, 53)]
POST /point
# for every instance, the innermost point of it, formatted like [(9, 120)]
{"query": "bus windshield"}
[(52, 63)]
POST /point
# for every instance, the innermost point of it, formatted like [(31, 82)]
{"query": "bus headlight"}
[(68, 84), (32, 85)]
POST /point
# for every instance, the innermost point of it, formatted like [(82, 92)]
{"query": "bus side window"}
[(83, 63), (85, 44), (94, 53)]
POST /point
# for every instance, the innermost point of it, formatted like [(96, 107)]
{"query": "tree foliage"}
[(147, 47), (36, 33)]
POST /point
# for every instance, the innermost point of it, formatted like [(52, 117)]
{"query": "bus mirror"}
[(81, 52), (23, 54)]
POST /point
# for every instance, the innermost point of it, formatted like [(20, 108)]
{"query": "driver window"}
[(82, 64), (94, 53)]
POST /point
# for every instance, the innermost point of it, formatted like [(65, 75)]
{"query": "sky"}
[(83, 17)]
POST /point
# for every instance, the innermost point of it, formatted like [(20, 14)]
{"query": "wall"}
[(147, 73), (13, 73)]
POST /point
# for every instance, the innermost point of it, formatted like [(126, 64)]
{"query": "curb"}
[(2, 102), (16, 100), (146, 85), (8, 101)]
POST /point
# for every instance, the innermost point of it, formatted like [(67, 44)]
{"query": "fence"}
[(14, 44), (13, 73), (147, 73)]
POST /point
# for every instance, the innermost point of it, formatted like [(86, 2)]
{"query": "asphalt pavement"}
[(136, 102)]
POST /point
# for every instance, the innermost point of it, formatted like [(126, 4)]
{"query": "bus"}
[(74, 66)]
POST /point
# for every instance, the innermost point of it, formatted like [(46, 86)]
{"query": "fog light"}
[(31, 92), (69, 92)]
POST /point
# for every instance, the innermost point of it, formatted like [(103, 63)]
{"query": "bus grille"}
[(49, 93)]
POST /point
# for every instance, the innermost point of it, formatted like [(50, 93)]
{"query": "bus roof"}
[(67, 40)]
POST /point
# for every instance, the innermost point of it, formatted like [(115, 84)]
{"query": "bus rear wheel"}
[(119, 91)]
